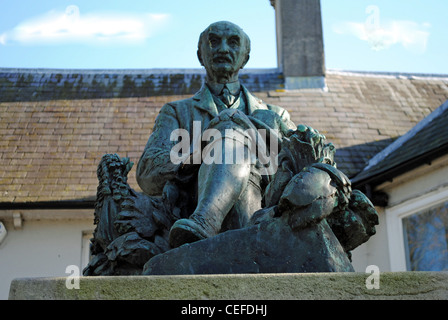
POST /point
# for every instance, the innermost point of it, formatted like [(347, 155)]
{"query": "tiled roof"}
[(363, 113), (423, 143), (48, 84), (50, 148)]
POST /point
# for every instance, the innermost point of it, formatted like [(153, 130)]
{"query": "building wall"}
[(375, 251), (410, 193), (426, 178), (42, 248)]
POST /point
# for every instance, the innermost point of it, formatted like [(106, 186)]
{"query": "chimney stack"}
[(300, 44)]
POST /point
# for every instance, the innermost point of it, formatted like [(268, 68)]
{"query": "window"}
[(418, 233), (425, 236)]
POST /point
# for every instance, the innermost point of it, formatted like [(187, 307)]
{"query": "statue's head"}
[(223, 50)]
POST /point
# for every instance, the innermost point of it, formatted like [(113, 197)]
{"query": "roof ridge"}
[(124, 71), (129, 71), (391, 75), (100, 71)]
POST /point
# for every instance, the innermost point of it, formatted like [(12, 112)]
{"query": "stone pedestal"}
[(306, 286)]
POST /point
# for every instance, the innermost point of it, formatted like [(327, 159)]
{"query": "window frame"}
[(394, 217), (85, 248)]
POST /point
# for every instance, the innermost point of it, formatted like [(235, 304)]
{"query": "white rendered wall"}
[(41, 248), (375, 251)]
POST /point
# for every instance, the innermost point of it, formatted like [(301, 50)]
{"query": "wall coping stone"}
[(305, 286)]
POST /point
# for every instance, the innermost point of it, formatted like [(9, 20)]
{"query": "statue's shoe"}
[(186, 231)]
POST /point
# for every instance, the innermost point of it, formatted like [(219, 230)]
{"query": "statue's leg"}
[(221, 188), (249, 202)]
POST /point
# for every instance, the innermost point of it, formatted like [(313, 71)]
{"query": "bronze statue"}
[(223, 50), (199, 195)]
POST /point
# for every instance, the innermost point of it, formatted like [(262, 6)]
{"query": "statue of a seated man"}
[(186, 198), (223, 50)]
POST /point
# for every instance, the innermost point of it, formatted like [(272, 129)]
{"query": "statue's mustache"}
[(221, 58)]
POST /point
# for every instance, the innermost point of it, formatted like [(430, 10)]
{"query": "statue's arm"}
[(287, 123), (154, 168)]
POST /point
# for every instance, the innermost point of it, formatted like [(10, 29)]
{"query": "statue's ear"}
[(200, 57), (245, 61)]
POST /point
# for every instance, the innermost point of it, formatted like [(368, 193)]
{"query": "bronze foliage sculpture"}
[(275, 203)]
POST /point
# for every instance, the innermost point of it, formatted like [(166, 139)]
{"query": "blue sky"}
[(359, 35)]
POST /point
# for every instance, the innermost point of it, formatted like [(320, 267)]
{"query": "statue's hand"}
[(229, 119)]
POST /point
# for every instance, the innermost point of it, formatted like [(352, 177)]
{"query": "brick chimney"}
[(300, 45)]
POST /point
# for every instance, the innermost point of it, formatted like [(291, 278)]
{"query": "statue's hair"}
[(203, 37)]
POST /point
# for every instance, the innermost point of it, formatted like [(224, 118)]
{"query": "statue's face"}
[(223, 50)]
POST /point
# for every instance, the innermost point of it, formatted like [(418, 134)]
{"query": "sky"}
[(405, 36)]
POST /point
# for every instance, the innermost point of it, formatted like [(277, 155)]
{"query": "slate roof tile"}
[(424, 142)]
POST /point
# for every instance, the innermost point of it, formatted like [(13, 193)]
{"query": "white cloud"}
[(411, 35), (69, 26)]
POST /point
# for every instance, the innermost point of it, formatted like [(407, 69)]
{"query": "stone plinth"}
[(306, 286)]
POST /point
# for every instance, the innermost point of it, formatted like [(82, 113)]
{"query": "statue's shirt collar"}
[(216, 88)]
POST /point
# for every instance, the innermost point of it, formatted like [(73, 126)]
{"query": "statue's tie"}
[(227, 97)]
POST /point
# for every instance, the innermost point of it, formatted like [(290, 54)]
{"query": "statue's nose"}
[(223, 47)]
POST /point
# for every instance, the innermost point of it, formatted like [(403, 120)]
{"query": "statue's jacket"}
[(155, 167)]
